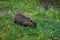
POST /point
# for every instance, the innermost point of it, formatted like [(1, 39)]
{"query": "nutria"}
[(23, 20)]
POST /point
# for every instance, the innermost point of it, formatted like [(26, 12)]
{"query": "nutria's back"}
[(20, 15)]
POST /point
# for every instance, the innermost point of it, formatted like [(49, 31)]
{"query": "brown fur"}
[(23, 20)]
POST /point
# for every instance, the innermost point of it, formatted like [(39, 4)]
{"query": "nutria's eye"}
[(30, 20)]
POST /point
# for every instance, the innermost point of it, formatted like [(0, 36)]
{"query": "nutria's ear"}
[(31, 19)]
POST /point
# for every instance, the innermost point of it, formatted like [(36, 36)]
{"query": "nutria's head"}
[(33, 24)]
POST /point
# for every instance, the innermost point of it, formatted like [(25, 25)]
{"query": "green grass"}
[(48, 22)]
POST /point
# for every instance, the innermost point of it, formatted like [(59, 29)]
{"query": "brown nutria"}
[(23, 20)]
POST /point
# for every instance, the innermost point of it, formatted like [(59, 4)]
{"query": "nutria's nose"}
[(34, 25)]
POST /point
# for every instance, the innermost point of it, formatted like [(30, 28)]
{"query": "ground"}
[(48, 22)]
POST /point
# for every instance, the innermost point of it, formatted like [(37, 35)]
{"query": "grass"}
[(48, 22)]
